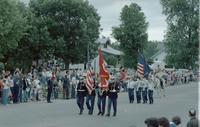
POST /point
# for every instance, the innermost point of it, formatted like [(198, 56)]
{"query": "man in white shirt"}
[(130, 86)]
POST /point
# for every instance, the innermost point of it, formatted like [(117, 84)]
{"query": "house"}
[(104, 44)]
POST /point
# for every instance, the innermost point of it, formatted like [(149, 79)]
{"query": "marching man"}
[(81, 93), (112, 96)]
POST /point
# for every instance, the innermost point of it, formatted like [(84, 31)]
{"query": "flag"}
[(103, 73), (89, 79), (142, 67)]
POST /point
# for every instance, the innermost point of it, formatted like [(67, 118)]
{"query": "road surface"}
[(64, 113)]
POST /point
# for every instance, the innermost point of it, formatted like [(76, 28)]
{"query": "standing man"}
[(66, 85), (112, 96), (193, 120), (81, 93), (5, 92), (50, 87)]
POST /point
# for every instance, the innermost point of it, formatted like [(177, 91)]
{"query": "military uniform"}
[(90, 101), (112, 97), (101, 103), (139, 90), (150, 91), (130, 86), (81, 93), (144, 90)]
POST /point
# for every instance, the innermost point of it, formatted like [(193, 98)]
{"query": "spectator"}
[(176, 121), (151, 122), (193, 122), (163, 122), (66, 86), (6, 88)]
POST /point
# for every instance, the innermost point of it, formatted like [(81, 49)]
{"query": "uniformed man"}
[(151, 86), (90, 99), (139, 90), (81, 93), (130, 86), (101, 103), (112, 96), (144, 90)]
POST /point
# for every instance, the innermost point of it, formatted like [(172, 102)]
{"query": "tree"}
[(72, 25), (131, 33), (181, 38), (12, 28), (150, 49)]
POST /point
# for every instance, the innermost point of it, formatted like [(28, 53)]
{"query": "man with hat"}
[(81, 93), (113, 90)]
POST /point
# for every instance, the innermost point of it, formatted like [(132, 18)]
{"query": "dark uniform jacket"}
[(113, 90), (50, 84), (193, 122), (100, 92), (81, 89)]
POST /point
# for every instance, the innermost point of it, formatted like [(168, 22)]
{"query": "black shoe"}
[(102, 113), (108, 115), (81, 112), (90, 113), (114, 114), (49, 102), (99, 113)]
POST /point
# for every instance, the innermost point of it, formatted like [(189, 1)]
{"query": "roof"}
[(111, 50)]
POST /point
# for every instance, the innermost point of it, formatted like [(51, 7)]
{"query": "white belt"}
[(81, 90)]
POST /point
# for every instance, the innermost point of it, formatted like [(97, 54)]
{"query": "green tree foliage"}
[(150, 49), (131, 33), (182, 34), (110, 59), (12, 28), (69, 25)]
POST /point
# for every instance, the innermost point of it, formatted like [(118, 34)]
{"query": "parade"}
[(102, 63)]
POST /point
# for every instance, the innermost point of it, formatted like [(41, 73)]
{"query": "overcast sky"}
[(109, 10)]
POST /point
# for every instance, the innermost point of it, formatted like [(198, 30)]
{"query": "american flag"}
[(142, 67), (89, 79)]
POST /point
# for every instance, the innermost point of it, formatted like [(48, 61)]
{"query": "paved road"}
[(62, 113)]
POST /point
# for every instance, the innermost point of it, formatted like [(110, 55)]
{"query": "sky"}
[(109, 10)]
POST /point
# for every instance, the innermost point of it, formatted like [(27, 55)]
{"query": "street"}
[(64, 113)]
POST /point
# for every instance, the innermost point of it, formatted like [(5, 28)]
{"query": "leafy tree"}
[(150, 49), (131, 33), (182, 34), (12, 28), (70, 26), (110, 59)]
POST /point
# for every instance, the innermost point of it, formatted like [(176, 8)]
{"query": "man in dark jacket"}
[(101, 102), (90, 101), (193, 121), (112, 96), (81, 93), (50, 88), (66, 85)]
